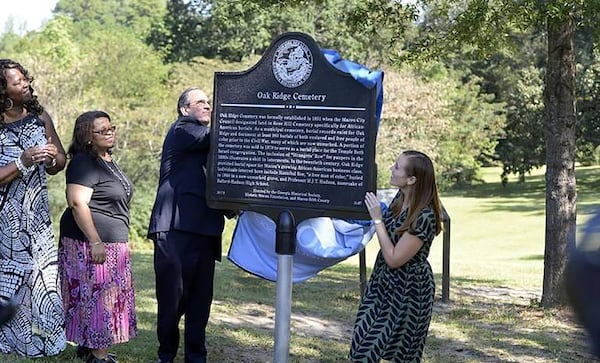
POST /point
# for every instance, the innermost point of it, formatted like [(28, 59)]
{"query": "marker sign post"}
[(292, 138)]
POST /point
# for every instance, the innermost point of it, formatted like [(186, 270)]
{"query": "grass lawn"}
[(497, 246)]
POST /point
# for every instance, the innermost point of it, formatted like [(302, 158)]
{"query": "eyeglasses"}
[(110, 130), (199, 102)]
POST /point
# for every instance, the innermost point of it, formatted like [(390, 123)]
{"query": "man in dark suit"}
[(185, 231)]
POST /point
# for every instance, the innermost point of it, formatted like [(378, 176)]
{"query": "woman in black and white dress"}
[(31, 314)]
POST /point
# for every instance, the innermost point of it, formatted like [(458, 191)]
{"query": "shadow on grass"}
[(463, 281), (497, 332), (532, 258), (523, 206), (341, 284), (333, 294), (529, 196), (534, 186)]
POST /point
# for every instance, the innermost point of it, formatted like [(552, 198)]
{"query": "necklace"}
[(116, 171)]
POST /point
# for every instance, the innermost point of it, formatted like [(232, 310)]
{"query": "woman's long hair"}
[(83, 133), (424, 194), (32, 106)]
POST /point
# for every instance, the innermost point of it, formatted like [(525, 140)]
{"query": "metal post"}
[(446, 258), (362, 268), (285, 247)]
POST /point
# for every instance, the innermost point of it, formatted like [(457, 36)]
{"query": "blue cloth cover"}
[(320, 242), (362, 74)]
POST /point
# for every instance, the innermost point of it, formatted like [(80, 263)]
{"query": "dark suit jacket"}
[(181, 197)]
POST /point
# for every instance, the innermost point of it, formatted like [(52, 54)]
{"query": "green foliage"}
[(58, 202), (331, 24), (588, 109), (437, 112), (51, 55), (237, 29), (506, 49), (141, 208), (414, 117), (7, 39), (476, 124), (137, 15), (125, 78), (179, 35), (233, 30), (523, 147)]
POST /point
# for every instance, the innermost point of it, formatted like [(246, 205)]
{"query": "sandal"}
[(84, 353), (110, 358)]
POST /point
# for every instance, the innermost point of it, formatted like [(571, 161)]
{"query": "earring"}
[(9, 101)]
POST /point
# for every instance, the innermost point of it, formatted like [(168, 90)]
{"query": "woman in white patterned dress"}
[(31, 313)]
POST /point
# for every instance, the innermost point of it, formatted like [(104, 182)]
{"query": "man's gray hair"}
[(184, 100)]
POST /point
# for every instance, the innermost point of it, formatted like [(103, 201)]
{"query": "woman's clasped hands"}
[(37, 154), (373, 206)]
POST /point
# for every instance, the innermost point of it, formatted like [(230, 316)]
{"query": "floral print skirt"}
[(98, 299)]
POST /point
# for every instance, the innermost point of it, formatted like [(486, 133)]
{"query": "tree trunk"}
[(560, 128)]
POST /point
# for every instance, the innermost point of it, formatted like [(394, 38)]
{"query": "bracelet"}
[(52, 164), (24, 170), (377, 221), (95, 243)]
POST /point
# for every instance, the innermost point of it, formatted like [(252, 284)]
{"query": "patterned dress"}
[(393, 317), (28, 255)]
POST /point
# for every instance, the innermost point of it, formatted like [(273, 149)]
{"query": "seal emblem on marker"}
[(292, 63)]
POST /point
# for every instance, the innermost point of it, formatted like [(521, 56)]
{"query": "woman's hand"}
[(33, 155), (98, 252), (50, 150), (373, 206)]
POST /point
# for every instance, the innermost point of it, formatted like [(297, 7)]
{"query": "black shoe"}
[(83, 352), (8, 308)]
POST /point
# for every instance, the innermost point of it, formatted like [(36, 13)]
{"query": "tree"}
[(487, 25), (234, 29), (138, 15), (523, 147), (178, 35), (560, 128), (434, 111)]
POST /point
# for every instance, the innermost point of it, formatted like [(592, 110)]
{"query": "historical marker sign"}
[(292, 132)]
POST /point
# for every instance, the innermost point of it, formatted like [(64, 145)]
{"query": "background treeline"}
[(132, 58)]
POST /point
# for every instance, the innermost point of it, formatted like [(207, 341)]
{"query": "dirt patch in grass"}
[(262, 317)]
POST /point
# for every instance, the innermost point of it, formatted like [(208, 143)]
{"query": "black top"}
[(110, 199), (181, 196)]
